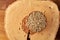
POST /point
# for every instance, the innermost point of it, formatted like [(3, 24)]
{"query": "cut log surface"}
[(19, 9)]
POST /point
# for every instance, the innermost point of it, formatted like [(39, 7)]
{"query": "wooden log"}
[(19, 9)]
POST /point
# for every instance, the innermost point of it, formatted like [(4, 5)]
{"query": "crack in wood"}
[(28, 38)]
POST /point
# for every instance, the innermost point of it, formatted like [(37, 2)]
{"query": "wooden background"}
[(3, 5), (2, 31)]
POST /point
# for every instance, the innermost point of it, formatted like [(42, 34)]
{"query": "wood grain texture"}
[(3, 5), (2, 30), (12, 14)]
